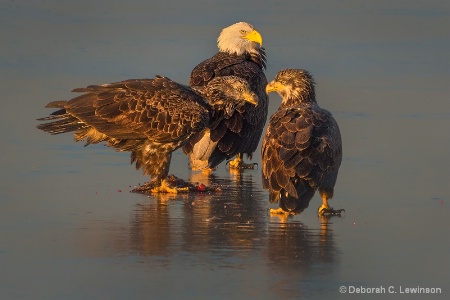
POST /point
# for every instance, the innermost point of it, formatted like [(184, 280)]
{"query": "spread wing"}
[(157, 109), (300, 146)]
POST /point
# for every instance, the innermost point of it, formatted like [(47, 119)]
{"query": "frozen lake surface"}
[(70, 229)]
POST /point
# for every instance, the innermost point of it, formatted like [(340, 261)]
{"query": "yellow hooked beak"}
[(250, 97), (273, 86), (254, 36)]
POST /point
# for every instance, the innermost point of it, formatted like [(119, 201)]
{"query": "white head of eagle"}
[(239, 38)]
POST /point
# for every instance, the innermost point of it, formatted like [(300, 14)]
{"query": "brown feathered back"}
[(302, 148)]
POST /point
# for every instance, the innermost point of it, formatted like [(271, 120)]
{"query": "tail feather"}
[(61, 121), (54, 115), (62, 126), (290, 203), (56, 104)]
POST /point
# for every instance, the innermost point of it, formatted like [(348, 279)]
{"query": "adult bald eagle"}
[(149, 117), (240, 54), (301, 150)]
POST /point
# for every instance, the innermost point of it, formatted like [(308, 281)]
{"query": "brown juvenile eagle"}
[(240, 54), (301, 150), (149, 117)]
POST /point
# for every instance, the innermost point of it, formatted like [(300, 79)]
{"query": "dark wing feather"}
[(157, 109), (220, 64), (301, 150), (223, 64)]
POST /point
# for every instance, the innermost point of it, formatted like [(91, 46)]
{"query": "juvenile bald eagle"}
[(301, 150), (240, 54), (149, 117)]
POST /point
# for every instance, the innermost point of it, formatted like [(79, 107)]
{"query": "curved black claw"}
[(329, 212), (242, 165), (249, 166), (148, 186)]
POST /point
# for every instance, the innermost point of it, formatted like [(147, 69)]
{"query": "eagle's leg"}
[(325, 209), (238, 163)]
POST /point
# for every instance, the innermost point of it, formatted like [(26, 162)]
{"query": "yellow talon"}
[(166, 188), (278, 211), (322, 209), (208, 171), (235, 163), (238, 164), (327, 211)]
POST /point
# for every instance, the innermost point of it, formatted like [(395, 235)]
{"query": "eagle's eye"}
[(242, 31)]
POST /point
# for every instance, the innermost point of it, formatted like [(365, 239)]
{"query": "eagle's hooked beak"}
[(273, 86), (254, 36), (251, 98)]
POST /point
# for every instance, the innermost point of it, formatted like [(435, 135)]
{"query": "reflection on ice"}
[(233, 218), (294, 245), (230, 229)]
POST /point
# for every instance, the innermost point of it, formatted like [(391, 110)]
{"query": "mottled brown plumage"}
[(149, 117), (240, 54), (302, 149)]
